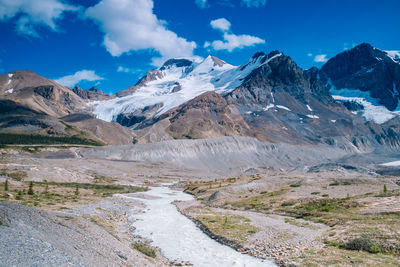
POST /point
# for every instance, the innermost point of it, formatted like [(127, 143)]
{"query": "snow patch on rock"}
[(283, 107), (391, 164), (312, 116)]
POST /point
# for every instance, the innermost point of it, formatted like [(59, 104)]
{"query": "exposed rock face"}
[(207, 115), (91, 94), (110, 133), (135, 118), (367, 69), (281, 76), (39, 94), (288, 104), (15, 118), (217, 61), (176, 62)]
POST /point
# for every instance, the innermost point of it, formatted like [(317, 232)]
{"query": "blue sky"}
[(112, 43)]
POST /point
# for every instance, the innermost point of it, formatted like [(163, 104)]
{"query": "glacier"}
[(210, 74)]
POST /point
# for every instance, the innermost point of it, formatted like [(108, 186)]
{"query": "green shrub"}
[(364, 244), (295, 185), (145, 249), (334, 184)]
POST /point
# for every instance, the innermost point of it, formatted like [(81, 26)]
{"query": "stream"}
[(178, 237)]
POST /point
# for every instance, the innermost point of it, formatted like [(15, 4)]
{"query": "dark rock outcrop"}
[(367, 69), (176, 62), (91, 94)]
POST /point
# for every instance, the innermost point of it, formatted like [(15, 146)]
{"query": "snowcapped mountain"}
[(394, 55), (176, 82), (269, 97), (353, 97), (369, 77)]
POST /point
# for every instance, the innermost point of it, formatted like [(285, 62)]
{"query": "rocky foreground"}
[(343, 210)]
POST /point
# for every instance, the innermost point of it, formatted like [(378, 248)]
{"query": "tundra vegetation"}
[(356, 235)]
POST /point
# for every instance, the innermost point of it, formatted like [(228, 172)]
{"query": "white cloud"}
[(320, 58), (132, 26), (128, 70), (221, 24), (231, 41), (254, 3), (201, 3), (82, 75), (32, 13), (309, 54)]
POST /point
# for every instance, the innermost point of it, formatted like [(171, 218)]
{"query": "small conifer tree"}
[(6, 186), (30, 190), (77, 190), (384, 189)]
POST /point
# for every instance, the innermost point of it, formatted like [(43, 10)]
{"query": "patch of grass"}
[(14, 174), (334, 184), (338, 244), (288, 203), (145, 249), (328, 211), (104, 190), (299, 224), (103, 179), (105, 225), (232, 227), (56, 195), (29, 139), (315, 193), (295, 185), (262, 203)]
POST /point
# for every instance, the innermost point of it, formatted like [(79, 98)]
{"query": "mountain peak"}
[(217, 62), (258, 54), (367, 69), (177, 62)]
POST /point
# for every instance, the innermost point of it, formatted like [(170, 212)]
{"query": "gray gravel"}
[(31, 237)]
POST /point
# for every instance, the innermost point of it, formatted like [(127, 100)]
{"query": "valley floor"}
[(78, 212)]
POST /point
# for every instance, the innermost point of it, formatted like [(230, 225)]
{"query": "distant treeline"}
[(34, 139)]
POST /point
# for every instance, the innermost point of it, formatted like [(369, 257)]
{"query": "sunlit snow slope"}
[(211, 74)]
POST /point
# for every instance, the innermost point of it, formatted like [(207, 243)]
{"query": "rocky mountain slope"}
[(32, 104), (368, 76), (92, 94), (38, 93), (111, 133), (269, 98)]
